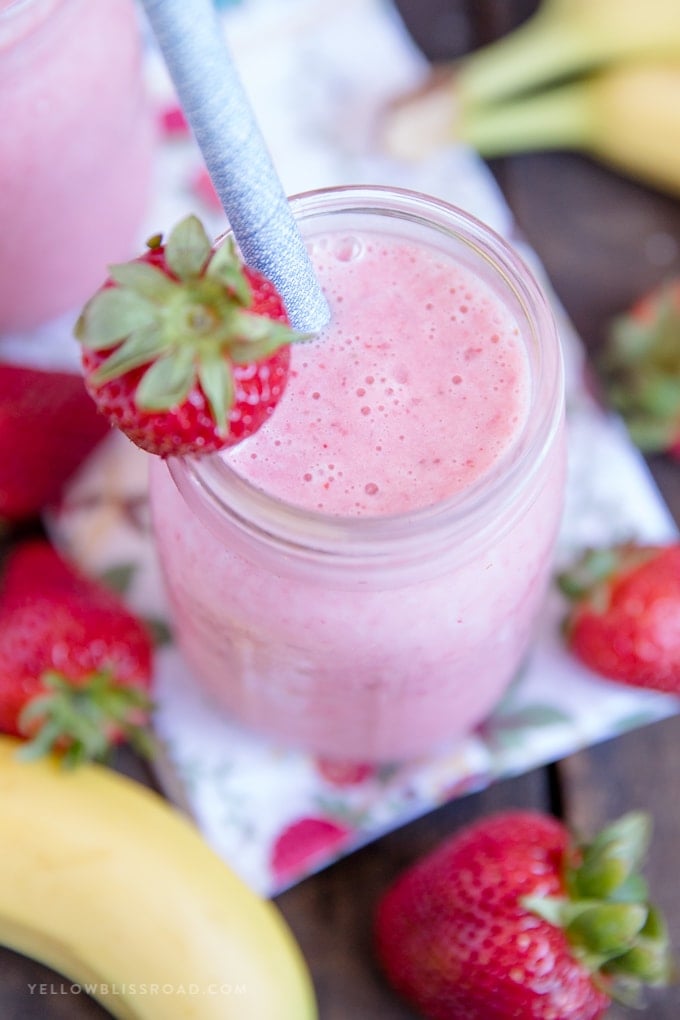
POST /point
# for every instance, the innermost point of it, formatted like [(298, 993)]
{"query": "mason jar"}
[(76, 153), (369, 595)]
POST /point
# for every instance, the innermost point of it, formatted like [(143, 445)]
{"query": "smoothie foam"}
[(416, 388)]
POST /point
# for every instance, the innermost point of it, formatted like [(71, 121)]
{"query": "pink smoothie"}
[(414, 392), (76, 151), (415, 398)]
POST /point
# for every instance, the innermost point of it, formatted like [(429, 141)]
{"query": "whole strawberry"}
[(186, 350), (75, 664), (640, 369), (48, 425), (508, 920), (624, 620)]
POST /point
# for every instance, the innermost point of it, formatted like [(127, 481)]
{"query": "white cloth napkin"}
[(318, 75)]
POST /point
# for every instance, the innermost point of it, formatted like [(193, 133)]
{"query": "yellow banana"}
[(568, 37), (107, 884), (627, 116)]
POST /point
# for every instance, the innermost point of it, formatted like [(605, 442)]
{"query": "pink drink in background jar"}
[(76, 151), (362, 577)]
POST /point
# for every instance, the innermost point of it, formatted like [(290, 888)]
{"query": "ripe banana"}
[(627, 116), (568, 37), (107, 884)]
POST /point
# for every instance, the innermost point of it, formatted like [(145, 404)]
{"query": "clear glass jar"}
[(76, 154), (374, 636)]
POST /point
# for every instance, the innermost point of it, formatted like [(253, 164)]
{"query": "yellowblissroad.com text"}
[(100, 989)]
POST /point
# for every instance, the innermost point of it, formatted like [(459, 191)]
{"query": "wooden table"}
[(595, 233)]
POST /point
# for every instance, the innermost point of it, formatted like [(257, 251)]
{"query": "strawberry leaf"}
[(79, 718), (258, 337), (649, 959), (629, 835), (166, 383), (647, 962), (632, 890), (111, 315), (607, 928), (593, 566), (660, 394), (225, 267), (216, 382), (161, 634), (145, 279), (119, 578), (140, 348), (629, 340), (188, 248), (610, 863), (556, 910)]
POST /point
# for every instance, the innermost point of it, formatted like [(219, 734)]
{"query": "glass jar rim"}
[(219, 494)]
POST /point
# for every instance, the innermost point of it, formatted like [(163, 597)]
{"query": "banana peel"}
[(565, 38), (597, 76), (105, 882), (626, 117)]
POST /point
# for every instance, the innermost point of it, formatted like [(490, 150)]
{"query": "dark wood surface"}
[(592, 230)]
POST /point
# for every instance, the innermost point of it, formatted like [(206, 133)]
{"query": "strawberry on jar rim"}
[(185, 349), (624, 617), (75, 663), (509, 918), (640, 369)]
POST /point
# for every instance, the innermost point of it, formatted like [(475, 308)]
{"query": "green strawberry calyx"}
[(190, 324), (640, 370), (588, 578), (82, 721), (605, 914)]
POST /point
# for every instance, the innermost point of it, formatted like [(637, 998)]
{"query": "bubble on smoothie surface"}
[(413, 392), (347, 248)]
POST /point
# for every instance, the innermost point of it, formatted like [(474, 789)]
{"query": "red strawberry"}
[(624, 622), (48, 425), (75, 664), (640, 369), (185, 349), (508, 919), (304, 845)]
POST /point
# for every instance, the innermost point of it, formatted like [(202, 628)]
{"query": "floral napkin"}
[(318, 75)]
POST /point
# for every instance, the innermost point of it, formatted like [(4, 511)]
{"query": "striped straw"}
[(191, 38)]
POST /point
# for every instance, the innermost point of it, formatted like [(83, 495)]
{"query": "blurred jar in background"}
[(76, 151)]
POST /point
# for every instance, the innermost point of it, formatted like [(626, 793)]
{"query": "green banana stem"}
[(558, 119), (542, 50)]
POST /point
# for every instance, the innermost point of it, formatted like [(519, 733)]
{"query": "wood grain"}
[(603, 241)]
